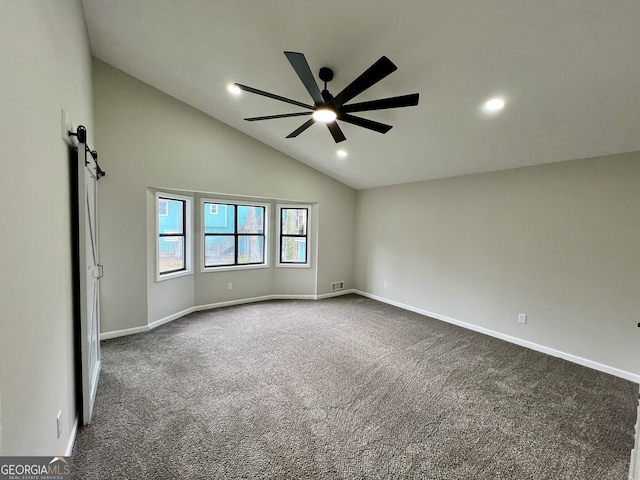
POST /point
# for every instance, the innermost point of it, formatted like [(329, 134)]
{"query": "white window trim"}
[(265, 229), (188, 236), (279, 208)]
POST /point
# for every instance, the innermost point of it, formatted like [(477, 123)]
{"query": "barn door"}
[(89, 274)]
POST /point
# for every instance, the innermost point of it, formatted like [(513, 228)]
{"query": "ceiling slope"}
[(568, 71)]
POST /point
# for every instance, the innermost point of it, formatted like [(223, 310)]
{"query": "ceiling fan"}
[(327, 108)]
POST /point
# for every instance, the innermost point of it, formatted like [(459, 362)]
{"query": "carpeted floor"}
[(347, 388)]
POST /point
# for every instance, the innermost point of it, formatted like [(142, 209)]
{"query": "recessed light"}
[(494, 105), (324, 115), (233, 88), (341, 154)]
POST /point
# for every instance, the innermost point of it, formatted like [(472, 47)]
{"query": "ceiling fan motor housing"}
[(326, 74)]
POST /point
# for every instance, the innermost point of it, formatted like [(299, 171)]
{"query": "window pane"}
[(219, 250), (250, 219), (294, 221), (170, 216), (250, 249), (221, 221), (294, 250), (170, 254)]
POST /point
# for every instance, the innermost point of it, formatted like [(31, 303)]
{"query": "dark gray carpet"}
[(347, 388)]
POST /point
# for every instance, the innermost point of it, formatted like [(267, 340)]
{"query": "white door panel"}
[(90, 273)]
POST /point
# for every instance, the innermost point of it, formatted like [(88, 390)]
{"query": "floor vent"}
[(337, 286)]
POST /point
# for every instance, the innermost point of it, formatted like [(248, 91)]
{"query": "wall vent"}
[(337, 286)]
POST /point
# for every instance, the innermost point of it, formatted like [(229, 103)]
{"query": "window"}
[(293, 232), (234, 235), (174, 235)]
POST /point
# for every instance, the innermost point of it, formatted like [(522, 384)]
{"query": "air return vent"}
[(337, 286)]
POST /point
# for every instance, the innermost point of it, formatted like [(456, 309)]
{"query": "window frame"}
[(187, 234), (266, 235), (280, 236)]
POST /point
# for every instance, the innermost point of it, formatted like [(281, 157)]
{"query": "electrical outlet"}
[(229, 286), (522, 318), (385, 284), (59, 423)]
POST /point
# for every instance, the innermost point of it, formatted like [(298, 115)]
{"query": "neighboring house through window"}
[(235, 235), (293, 234), (174, 245), (163, 209)]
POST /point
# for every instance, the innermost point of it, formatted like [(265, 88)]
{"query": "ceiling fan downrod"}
[(326, 75)]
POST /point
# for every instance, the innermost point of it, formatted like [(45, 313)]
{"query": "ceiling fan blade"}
[(271, 95), (393, 102), (300, 65), (336, 132), (371, 76), (283, 115), (366, 123), (301, 128)]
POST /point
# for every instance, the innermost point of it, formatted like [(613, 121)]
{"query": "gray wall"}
[(147, 141), (45, 66), (559, 242)]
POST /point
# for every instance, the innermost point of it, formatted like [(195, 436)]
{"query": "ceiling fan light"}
[(234, 89), (324, 115)]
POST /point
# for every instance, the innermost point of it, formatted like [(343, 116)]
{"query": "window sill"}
[(231, 267), (169, 276)]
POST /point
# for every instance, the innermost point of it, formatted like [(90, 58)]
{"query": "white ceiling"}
[(569, 71)]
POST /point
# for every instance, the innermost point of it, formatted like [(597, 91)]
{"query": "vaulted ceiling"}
[(568, 71)]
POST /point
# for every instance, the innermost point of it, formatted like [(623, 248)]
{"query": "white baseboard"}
[(335, 294), (72, 438), (211, 306), (171, 318), (230, 303), (268, 297), (518, 341), (122, 333), (293, 297)]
